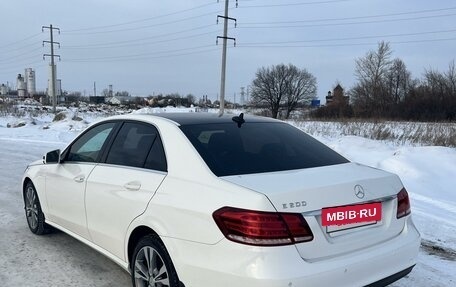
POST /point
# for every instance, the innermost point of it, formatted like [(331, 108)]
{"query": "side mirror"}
[(52, 157)]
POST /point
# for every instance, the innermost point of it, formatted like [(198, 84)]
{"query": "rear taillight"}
[(403, 204), (262, 228)]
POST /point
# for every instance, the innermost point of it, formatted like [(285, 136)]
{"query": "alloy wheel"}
[(31, 207), (150, 269)]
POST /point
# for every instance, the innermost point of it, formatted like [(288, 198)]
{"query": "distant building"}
[(21, 86), (30, 81), (337, 96), (113, 101), (4, 90), (97, 100)]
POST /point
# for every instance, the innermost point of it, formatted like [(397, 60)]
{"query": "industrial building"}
[(30, 82), (25, 86), (21, 87)]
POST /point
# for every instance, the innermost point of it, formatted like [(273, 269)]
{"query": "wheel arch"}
[(136, 235), (25, 181), (24, 184)]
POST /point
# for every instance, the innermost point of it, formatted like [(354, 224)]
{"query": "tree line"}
[(384, 88)]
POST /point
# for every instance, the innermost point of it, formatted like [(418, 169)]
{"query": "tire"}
[(151, 264), (33, 212)]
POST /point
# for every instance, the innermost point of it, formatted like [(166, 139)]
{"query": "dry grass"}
[(416, 133)]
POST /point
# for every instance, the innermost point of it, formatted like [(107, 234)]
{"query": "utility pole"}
[(52, 55), (225, 40), (94, 89)]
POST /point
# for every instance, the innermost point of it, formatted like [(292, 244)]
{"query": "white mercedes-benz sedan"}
[(199, 200)]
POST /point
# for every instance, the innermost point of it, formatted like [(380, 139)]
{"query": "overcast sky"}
[(148, 46)]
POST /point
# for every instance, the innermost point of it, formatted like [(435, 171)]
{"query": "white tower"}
[(21, 86), (30, 81)]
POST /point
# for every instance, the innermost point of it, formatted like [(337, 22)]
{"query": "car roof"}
[(197, 118)]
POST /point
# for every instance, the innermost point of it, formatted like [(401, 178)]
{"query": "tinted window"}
[(88, 146), (137, 145), (156, 159), (132, 145), (257, 148)]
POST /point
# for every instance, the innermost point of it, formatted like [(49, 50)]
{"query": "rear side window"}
[(257, 148), (135, 145)]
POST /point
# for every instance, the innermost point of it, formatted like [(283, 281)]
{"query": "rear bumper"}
[(231, 264), (390, 279)]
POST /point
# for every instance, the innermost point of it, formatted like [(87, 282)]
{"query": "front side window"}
[(257, 148), (87, 148), (136, 145)]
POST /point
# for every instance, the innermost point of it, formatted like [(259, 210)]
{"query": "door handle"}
[(79, 178), (133, 185)]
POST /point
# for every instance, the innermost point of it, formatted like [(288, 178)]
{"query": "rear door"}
[(120, 188)]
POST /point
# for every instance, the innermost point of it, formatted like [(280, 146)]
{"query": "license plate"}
[(351, 214)]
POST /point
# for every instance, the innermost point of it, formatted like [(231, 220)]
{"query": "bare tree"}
[(282, 85), (375, 65), (451, 78), (269, 88), (399, 81), (122, 94), (372, 71), (302, 88), (191, 99)]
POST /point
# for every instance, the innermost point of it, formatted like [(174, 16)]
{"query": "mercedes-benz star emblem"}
[(359, 191)]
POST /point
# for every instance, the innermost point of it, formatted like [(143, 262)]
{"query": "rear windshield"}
[(257, 148)]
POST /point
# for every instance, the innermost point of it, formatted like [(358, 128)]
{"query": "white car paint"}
[(178, 205), (67, 208), (117, 195)]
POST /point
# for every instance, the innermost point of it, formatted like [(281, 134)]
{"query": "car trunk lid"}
[(308, 191)]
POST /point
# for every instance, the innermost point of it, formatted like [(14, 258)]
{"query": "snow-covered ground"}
[(428, 173)]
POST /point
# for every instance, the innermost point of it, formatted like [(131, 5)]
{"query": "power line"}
[(295, 4), (125, 43), (35, 56), (347, 23), (23, 63), (349, 38), (139, 39), (140, 27), (143, 38), (20, 41), (141, 20), (8, 71), (138, 57), (352, 18), (13, 57), (349, 44)]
